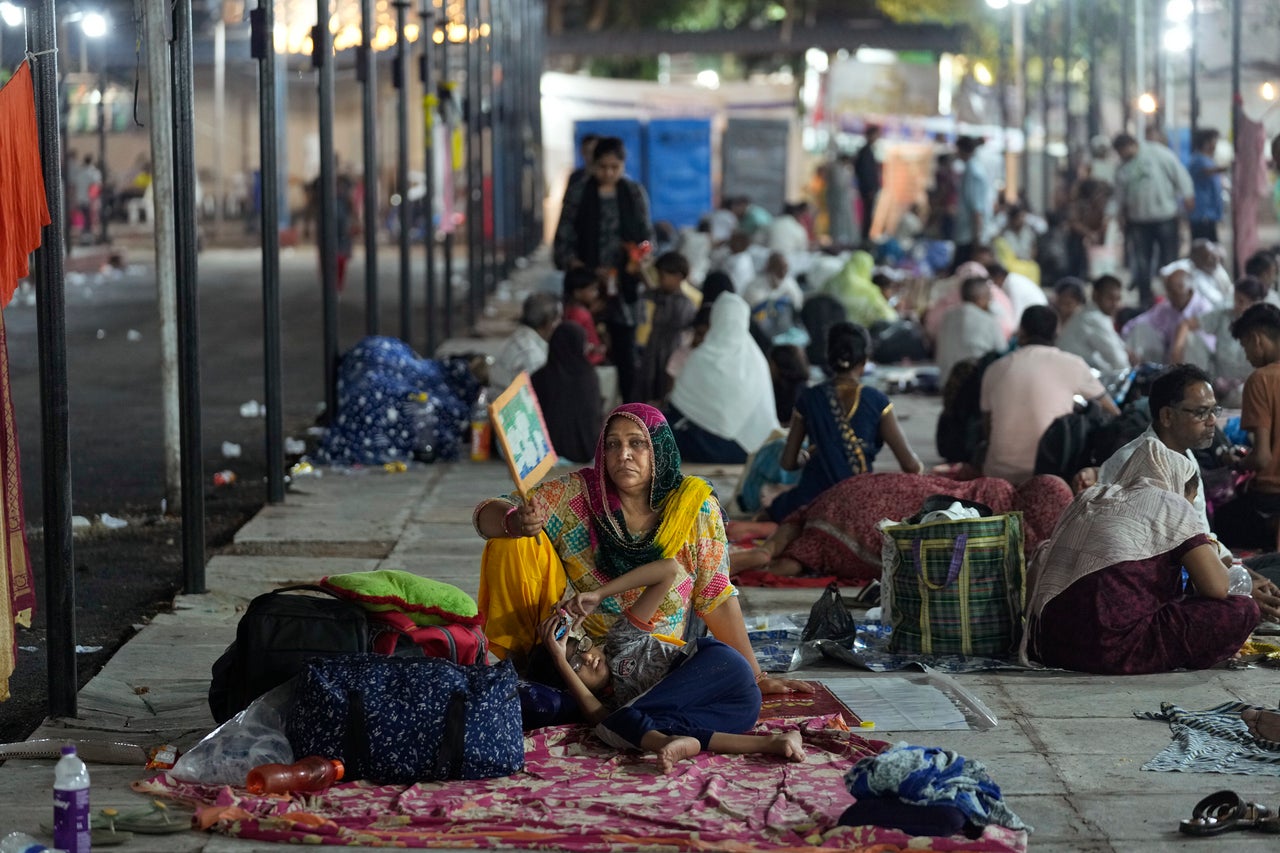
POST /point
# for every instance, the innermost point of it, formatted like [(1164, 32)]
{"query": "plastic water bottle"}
[(1239, 581), (480, 429), (71, 803), (313, 773), (426, 422), (20, 842)]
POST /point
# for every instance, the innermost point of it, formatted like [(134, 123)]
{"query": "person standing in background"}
[(1152, 191), (868, 172), (1206, 175), (975, 201), (86, 184), (602, 216)]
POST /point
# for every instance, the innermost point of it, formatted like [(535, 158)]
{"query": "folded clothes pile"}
[(925, 791)]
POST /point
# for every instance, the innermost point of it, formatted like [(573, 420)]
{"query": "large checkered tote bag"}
[(955, 587)]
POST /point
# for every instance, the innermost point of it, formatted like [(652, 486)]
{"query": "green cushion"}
[(425, 601)]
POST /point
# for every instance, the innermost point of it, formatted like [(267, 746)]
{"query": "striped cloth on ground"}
[(1213, 741)]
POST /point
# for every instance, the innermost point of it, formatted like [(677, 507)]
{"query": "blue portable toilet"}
[(678, 174), (626, 129)]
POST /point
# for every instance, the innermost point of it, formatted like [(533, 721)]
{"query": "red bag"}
[(394, 633)]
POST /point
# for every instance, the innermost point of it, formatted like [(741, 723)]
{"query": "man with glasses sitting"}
[(1184, 416)]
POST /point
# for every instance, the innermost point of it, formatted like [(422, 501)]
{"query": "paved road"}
[(123, 577), (114, 383)]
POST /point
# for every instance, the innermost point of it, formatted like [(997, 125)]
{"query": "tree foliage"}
[(679, 15), (952, 12)]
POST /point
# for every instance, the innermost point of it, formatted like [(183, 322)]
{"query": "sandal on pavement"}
[(1224, 812), (155, 818)]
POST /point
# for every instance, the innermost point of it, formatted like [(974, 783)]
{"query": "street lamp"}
[(93, 25), (12, 15)]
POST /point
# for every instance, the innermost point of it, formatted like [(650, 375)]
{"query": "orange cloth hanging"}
[(23, 211), (23, 207)]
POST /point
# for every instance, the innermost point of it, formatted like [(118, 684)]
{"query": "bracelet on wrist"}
[(506, 522)]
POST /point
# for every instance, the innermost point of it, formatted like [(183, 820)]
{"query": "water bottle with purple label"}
[(71, 803)]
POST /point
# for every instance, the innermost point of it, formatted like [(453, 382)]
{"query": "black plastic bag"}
[(828, 618)]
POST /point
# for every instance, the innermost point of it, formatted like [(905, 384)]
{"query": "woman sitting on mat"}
[(722, 406), (846, 423), (839, 533), (1106, 593), (643, 693), (584, 529)]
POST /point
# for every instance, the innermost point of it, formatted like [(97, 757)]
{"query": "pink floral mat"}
[(575, 794)]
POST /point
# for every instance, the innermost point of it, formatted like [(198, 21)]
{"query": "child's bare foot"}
[(677, 749), (787, 744), (1263, 724)]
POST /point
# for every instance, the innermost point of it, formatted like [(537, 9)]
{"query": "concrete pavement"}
[(1066, 749)]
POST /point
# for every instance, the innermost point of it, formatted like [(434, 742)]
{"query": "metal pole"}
[(368, 67), (402, 169), (1094, 114), (1139, 65), (219, 116), (488, 218), (445, 91), (161, 127), (1002, 77), (51, 343), (501, 193), (1158, 58), (322, 59), (1237, 107), (1068, 20), (185, 229), (538, 36), (474, 276), (1046, 52), (1126, 97), (429, 170), (1024, 100), (263, 25), (1193, 82)]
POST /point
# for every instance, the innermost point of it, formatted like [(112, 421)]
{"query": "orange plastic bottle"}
[(313, 773)]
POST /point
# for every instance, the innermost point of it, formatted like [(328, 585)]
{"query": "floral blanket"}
[(575, 794)]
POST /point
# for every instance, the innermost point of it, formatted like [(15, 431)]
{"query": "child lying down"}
[(643, 693)]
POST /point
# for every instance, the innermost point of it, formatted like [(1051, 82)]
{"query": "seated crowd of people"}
[(1100, 424)]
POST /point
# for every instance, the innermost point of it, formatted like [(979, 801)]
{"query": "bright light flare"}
[(11, 14), (93, 25)]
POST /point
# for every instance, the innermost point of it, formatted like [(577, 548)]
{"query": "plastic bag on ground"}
[(252, 737)]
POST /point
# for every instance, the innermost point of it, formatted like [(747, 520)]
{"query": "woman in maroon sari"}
[(1106, 592)]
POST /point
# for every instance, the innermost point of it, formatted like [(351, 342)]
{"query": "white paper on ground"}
[(898, 704)]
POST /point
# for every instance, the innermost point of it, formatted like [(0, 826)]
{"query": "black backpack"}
[(276, 636), (1068, 444)]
